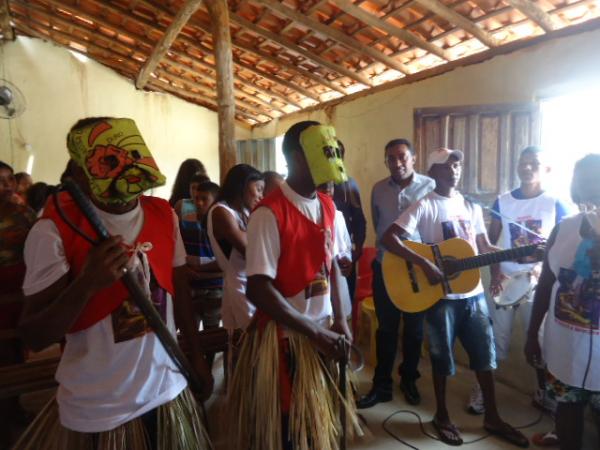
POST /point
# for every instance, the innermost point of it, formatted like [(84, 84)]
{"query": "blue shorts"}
[(469, 320)]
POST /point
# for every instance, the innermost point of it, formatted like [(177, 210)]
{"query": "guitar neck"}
[(487, 259)]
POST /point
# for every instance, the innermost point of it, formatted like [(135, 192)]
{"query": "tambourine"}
[(518, 288)]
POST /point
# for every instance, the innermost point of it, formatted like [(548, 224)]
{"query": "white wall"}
[(60, 89)]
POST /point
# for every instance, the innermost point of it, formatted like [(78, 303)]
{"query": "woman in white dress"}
[(241, 191)]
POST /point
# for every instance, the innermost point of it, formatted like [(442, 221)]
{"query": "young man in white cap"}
[(441, 215)]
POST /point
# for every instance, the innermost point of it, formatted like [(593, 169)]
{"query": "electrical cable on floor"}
[(435, 438)]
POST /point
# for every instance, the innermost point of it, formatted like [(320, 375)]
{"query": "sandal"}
[(448, 433), (549, 439), (509, 434)]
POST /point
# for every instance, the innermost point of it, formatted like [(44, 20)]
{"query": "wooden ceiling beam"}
[(263, 74), (150, 44), (459, 20), (535, 13), (376, 22), (6, 28), (334, 34), (167, 39), (242, 83), (202, 87), (90, 33), (195, 97), (198, 45), (266, 56), (218, 12), (108, 57), (193, 60), (286, 43)]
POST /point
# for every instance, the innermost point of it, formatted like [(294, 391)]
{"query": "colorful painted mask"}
[(323, 154), (114, 157)]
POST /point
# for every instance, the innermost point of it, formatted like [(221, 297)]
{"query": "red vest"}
[(303, 243), (158, 229)]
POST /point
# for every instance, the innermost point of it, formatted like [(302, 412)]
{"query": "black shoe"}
[(372, 398), (410, 391)]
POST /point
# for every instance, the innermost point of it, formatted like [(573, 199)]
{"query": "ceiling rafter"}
[(461, 21), (6, 28), (284, 42), (535, 13), (392, 30), (107, 60), (333, 33), (150, 44), (200, 86), (292, 55), (126, 66), (199, 46), (206, 29), (211, 80), (165, 42), (164, 86)]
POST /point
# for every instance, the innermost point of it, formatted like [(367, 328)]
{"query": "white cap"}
[(441, 155)]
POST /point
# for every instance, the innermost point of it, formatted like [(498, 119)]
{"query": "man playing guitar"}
[(441, 215)]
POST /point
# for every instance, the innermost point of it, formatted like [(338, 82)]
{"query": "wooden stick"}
[(6, 29), (184, 14), (535, 13), (368, 18), (457, 19)]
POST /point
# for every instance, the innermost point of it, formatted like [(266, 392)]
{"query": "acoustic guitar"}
[(410, 290)]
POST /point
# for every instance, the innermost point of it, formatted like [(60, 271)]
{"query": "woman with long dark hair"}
[(240, 192), (181, 187)]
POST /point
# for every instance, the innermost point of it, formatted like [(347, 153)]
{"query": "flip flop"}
[(448, 433), (548, 439), (509, 434)]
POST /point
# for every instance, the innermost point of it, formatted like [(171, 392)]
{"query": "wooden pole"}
[(440, 9), (6, 29), (535, 13), (219, 17), (165, 42)]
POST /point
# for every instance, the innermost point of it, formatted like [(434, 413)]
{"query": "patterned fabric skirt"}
[(281, 385), (178, 427)]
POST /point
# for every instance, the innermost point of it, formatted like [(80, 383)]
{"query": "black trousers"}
[(388, 317)]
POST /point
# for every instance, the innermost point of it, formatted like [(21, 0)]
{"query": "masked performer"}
[(118, 388), (284, 389)]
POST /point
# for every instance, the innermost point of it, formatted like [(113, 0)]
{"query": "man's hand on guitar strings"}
[(432, 272)]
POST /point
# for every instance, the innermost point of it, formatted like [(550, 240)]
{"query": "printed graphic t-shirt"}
[(115, 370), (538, 214), (438, 218), (571, 330)]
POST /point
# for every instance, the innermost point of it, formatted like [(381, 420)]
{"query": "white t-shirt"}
[(342, 248), (109, 373), (568, 345), (263, 251), (236, 310), (438, 218), (537, 214)]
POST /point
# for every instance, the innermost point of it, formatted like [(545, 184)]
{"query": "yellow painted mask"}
[(116, 160), (323, 154)]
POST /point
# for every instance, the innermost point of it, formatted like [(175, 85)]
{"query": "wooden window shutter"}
[(491, 136)]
